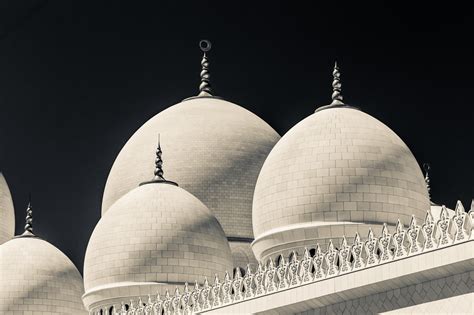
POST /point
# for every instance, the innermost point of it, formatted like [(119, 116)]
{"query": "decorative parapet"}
[(292, 272)]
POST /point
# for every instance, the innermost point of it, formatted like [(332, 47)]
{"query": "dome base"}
[(335, 105), (297, 237)]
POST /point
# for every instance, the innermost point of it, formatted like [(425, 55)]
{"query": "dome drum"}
[(297, 237)]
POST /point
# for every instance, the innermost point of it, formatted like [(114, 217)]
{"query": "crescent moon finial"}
[(205, 86), (205, 45)]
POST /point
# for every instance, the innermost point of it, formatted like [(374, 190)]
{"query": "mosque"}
[(207, 210)]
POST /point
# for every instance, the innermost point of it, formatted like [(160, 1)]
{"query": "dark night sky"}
[(77, 79)]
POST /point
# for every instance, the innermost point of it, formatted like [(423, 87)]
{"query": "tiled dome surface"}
[(213, 148), (338, 165), (37, 278), (157, 233), (7, 214)]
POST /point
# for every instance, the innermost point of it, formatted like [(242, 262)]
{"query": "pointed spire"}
[(336, 97), (29, 217), (159, 162), (28, 221), (205, 86), (336, 86), (158, 173), (427, 168)]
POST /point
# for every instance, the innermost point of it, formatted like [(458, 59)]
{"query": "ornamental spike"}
[(336, 86), (370, 236), (205, 86), (412, 222), (459, 208), (427, 168), (306, 253), (330, 246), (159, 162), (249, 270), (216, 279), (399, 226), (28, 220), (384, 230), (357, 238)]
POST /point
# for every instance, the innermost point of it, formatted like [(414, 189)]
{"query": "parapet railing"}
[(293, 272)]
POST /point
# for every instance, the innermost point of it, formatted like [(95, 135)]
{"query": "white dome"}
[(214, 149), (7, 213), (37, 278), (334, 171), (153, 238)]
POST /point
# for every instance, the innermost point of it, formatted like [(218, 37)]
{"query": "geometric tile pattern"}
[(450, 295)]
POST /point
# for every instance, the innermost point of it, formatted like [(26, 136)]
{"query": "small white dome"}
[(155, 237), (7, 213), (335, 170), (36, 277)]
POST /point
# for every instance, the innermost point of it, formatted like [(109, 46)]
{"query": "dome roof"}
[(339, 165), (157, 234), (37, 277), (216, 150), (7, 214)]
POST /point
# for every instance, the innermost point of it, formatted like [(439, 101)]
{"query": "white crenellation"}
[(292, 272), (384, 245)]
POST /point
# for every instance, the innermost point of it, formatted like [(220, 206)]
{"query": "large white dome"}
[(37, 278), (216, 150), (153, 238), (7, 213), (333, 172)]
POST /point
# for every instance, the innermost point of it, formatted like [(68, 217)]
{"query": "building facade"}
[(334, 217)]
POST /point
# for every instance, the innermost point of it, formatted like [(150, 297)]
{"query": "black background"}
[(77, 79)]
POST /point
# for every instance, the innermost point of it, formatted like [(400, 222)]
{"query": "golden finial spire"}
[(205, 86)]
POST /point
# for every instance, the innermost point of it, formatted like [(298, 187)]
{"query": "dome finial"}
[(205, 86), (159, 163), (158, 173), (29, 219), (337, 99), (336, 86), (427, 168)]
